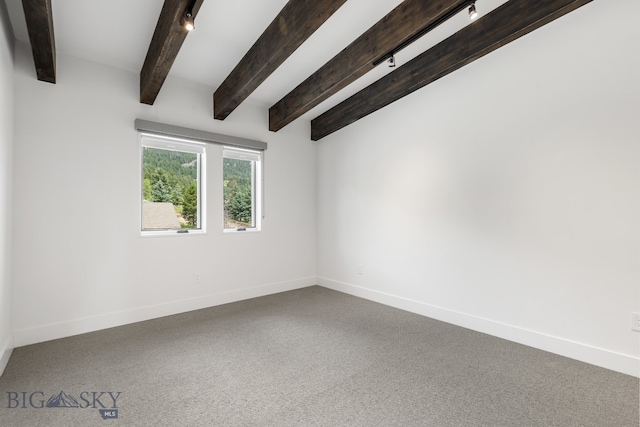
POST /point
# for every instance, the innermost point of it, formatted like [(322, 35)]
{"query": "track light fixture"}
[(473, 13), (460, 7), (187, 20)]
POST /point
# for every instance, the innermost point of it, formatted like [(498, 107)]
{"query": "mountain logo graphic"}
[(62, 400)]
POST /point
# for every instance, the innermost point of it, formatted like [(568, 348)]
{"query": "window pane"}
[(170, 189), (239, 189)]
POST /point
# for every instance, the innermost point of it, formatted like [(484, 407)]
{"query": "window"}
[(173, 179), (242, 179), (172, 185)]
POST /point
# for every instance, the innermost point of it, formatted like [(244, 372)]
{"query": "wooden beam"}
[(164, 47), (297, 20), (505, 24), (39, 19), (403, 25)]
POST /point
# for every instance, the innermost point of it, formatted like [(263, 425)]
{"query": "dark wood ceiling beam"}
[(400, 27), (505, 24), (293, 25), (39, 19), (164, 47)]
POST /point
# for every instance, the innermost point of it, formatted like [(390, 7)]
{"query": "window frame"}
[(184, 145), (257, 186)]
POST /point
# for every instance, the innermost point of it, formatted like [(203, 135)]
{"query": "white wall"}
[(6, 143), (79, 261), (503, 197)]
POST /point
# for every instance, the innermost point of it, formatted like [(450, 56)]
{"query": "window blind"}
[(163, 129)]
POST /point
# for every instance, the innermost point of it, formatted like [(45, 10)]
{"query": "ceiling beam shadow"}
[(402, 26), (165, 44), (297, 20), (505, 24), (39, 19)]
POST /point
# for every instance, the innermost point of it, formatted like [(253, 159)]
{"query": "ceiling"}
[(118, 32)]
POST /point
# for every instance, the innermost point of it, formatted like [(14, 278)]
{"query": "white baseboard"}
[(5, 353), (596, 356), (69, 328)]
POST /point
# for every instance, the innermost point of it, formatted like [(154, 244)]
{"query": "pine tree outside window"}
[(172, 185), (242, 182)]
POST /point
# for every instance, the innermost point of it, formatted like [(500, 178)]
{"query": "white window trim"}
[(257, 186), (171, 143)]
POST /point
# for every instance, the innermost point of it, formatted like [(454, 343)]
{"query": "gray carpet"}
[(310, 357)]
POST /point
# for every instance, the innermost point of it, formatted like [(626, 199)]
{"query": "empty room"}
[(320, 213)]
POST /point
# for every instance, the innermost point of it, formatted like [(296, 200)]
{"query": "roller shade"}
[(240, 154), (162, 129)]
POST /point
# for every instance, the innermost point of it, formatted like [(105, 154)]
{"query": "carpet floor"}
[(309, 357)]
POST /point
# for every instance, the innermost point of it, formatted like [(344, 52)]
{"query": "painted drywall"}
[(6, 144), (80, 263), (503, 197)]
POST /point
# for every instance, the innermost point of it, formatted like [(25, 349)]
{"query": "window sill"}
[(240, 231), (163, 233)]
